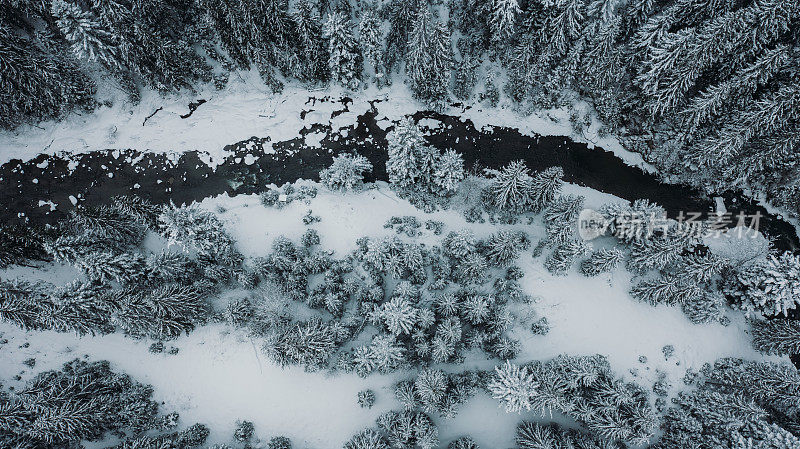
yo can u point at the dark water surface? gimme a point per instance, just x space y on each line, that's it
99 175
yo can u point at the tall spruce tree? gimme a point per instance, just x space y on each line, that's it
429 59
344 61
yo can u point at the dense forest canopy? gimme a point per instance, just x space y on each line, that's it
707 90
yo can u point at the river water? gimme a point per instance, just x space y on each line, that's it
44 189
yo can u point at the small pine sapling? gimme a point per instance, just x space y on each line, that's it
280 442
366 398
244 431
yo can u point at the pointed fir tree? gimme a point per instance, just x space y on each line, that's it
504 247
308 25
429 59
412 163
367 439
371 40
513 386
36 84
398 315
504 15
564 256
602 261
544 187
344 60
511 186
87 37
448 172
401 15
780 336
770 287
564 209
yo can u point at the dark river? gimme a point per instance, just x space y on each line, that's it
101 174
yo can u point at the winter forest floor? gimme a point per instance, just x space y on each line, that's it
219 374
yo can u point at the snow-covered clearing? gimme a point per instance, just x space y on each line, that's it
219 375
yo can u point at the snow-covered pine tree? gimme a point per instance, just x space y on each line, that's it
770 287
676 59
472 269
780 336
504 247
633 222
656 253
367 439
398 315
430 387
346 172
459 244
197 229
466 77
702 266
401 15
533 435
768 116
311 42
386 353
601 261
21 244
412 163
463 443
475 308
544 187
87 37
344 59
713 100
511 186
36 84
448 172
104 267
563 257
371 40
504 16
513 386
667 289
564 209
429 59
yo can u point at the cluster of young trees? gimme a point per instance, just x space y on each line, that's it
416 168
736 403
86 402
143 293
435 392
583 388
428 305
398 429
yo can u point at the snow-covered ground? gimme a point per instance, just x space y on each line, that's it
247 108
219 375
